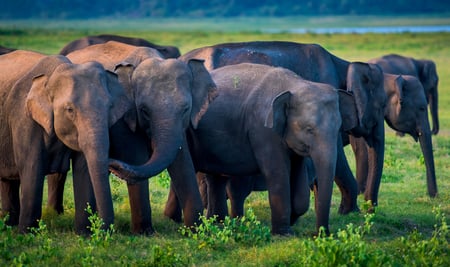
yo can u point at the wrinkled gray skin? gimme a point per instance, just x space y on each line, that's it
423 69
406 112
313 62
50 109
266 120
165 51
237 189
169 95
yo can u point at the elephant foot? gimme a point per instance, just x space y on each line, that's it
149 231
346 209
174 214
294 218
282 231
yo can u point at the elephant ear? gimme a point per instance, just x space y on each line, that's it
121 104
363 80
38 101
38 104
276 117
204 90
347 108
124 71
399 82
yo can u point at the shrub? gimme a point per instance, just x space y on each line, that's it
245 230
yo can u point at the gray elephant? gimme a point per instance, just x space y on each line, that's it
169 95
5 50
166 51
423 69
51 109
406 112
314 63
265 120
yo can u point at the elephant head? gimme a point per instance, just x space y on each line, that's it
169 96
406 112
429 78
309 123
365 81
77 104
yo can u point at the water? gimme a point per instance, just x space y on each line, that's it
383 29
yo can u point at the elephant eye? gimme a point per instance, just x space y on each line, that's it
70 111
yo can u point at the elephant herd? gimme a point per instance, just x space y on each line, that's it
224 120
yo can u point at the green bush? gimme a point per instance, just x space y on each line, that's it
245 230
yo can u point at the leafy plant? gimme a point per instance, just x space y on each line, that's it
245 230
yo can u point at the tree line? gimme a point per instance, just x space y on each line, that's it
65 9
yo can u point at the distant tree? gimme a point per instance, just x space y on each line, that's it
10 9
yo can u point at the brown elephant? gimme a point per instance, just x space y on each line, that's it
168 95
166 51
52 108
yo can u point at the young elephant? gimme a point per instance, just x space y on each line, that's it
406 112
168 95
50 109
422 69
265 120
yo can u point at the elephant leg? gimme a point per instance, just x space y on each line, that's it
173 210
141 215
31 192
9 192
237 190
55 184
203 188
217 197
346 183
362 162
300 192
183 179
173 207
83 194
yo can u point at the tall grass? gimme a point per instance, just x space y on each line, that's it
408 228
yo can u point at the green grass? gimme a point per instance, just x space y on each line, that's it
404 231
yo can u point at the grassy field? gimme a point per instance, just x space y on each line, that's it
408 228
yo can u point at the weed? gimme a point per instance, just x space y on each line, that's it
245 230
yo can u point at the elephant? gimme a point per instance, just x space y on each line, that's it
166 51
5 50
406 112
422 69
168 95
52 109
314 63
266 120
237 189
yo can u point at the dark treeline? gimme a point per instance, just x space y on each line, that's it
63 9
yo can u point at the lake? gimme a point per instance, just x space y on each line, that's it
383 29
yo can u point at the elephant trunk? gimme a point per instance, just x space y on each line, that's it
96 154
427 151
166 142
375 158
325 167
433 101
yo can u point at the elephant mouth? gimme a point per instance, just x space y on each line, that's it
302 150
